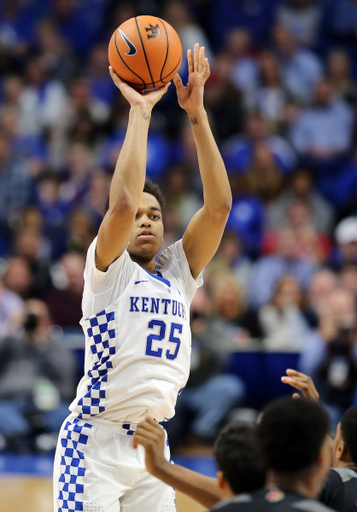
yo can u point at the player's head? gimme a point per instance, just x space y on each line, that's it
294 442
148 230
238 459
345 443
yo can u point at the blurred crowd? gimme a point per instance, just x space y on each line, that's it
281 99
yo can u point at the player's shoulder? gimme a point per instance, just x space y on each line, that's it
241 502
308 505
344 474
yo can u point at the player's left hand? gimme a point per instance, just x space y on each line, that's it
152 437
302 382
190 96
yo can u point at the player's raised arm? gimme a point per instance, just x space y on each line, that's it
205 230
199 487
129 175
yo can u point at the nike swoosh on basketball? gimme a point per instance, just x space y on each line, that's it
132 47
137 282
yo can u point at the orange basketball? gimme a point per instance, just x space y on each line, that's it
145 52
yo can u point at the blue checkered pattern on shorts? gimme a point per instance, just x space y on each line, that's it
71 482
101 338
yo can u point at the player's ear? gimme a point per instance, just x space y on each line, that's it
220 480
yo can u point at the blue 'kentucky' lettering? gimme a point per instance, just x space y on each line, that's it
158 306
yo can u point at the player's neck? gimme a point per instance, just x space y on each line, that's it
150 265
301 485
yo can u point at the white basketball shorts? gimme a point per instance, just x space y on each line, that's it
96 469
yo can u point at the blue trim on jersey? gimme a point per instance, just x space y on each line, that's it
158 276
71 481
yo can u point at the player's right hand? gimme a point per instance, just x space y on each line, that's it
135 97
151 436
302 382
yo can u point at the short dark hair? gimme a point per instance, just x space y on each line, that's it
291 434
349 431
149 188
238 457
154 190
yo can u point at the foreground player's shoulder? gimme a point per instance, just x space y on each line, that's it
241 503
96 279
309 505
173 264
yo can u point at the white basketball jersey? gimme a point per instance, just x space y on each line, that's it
138 338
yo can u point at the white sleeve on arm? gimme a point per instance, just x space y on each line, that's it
173 264
107 286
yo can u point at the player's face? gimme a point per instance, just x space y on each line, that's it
336 446
147 234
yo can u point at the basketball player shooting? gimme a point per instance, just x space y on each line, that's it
136 315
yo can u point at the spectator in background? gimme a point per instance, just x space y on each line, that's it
78 168
97 195
197 410
239 150
270 96
228 14
269 269
179 195
56 54
12 86
14 185
263 177
330 353
29 148
80 231
37 380
300 68
246 219
303 18
34 247
78 23
230 259
17 277
282 321
101 86
223 100
43 100
339 75
231 313
65 299
178 15
322 215
348 278
53 209
321 285
244 65
346 237
340 187
11 309
323 133
311 245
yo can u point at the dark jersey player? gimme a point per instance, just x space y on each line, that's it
340 489
293 438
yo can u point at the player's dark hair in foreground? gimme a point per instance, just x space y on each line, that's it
291 434
238 457
150 188
154 190
349 431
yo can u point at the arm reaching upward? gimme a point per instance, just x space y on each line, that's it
199 487
129 175
204 232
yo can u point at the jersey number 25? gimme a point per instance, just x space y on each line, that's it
150 351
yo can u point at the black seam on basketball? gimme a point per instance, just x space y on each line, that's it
177 65
118 52
167 48
142 45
